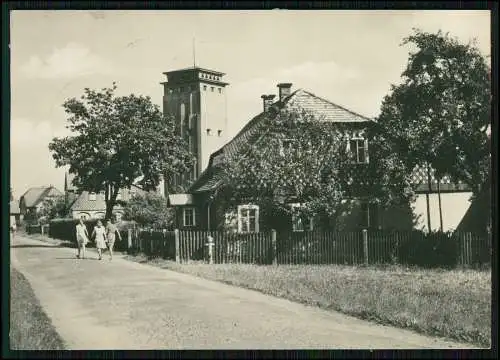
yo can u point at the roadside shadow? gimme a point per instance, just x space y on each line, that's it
48 246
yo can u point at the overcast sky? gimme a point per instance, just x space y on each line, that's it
348 57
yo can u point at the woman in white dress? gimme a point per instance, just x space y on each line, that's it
99 235
82 238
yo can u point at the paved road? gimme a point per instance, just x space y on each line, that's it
124 305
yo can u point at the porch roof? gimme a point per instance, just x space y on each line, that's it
180 199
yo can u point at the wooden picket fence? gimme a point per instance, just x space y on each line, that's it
348 248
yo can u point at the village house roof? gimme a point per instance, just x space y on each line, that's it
325 110
14 207
82 203
35 195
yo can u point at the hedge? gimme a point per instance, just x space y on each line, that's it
65 229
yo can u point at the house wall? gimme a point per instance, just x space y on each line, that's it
94 214
453 205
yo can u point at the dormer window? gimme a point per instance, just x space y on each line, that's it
92 196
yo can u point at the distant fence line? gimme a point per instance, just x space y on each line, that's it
318 247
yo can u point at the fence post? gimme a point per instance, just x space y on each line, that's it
210 245
273 240
129 239
365 245
177 249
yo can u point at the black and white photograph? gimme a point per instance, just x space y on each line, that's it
250 180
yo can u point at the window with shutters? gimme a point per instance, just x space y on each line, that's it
358 150
301 222
248 218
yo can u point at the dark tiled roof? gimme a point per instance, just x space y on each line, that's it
301 99
35 195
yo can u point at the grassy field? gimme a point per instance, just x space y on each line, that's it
455 304
30 328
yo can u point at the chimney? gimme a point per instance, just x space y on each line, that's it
284 90
268 101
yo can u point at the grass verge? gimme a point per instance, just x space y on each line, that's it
30 328
455 304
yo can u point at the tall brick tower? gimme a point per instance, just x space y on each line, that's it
196 98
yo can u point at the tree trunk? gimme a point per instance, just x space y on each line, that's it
110 200
439 204
427 198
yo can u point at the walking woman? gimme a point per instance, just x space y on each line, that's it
99 235
111 231
82 238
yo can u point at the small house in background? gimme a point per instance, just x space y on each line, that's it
90 205
15 213
31 202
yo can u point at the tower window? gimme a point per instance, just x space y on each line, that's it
204 87
212 89
220 90
209 132
219 132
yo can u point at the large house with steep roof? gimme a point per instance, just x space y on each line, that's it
31 202
197 208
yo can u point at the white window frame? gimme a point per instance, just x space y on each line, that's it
84 215
355 152
295 218
184 212
92 196
286 148
240 217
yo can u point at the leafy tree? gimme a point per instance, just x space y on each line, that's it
439 113
297 157
149 209
52 208
118 141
